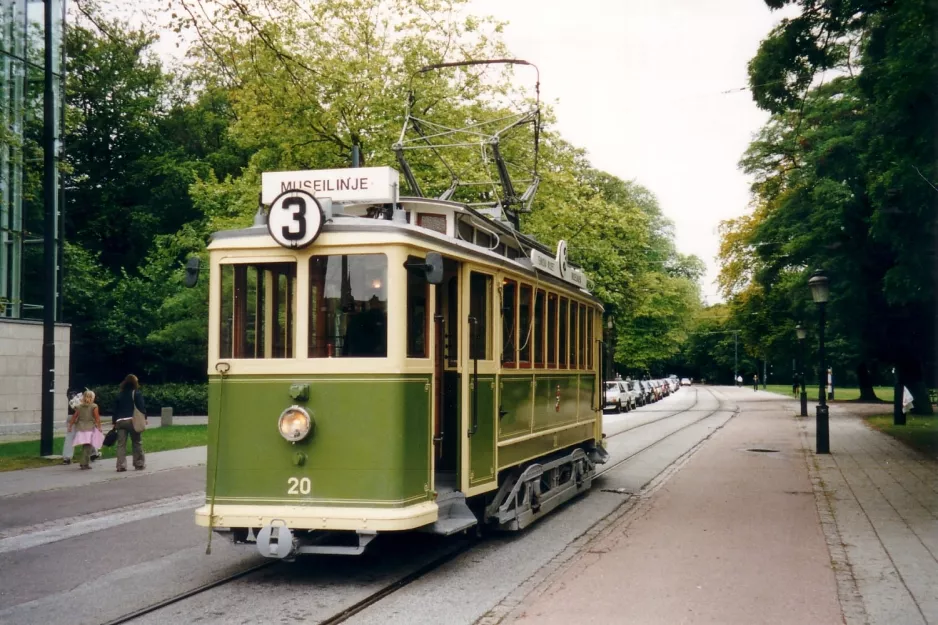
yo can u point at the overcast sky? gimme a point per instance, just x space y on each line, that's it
638 84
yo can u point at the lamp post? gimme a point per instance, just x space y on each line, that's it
609 374
820 291
802 334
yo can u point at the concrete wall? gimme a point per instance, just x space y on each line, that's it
21 373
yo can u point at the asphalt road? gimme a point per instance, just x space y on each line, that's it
91 554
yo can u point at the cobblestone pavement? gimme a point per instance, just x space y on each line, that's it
879 499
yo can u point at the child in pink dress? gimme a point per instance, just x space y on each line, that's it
87 423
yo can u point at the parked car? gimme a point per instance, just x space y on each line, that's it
685 382
628 399
635 390
613 397
648 391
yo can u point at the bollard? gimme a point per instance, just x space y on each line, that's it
166 416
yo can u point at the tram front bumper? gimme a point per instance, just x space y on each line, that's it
321 518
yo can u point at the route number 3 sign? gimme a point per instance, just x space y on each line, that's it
295 219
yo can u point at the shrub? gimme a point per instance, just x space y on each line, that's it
185 399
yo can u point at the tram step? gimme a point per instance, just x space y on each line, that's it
455 515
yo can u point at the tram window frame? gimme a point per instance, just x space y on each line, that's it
525 325
581 357
563 334
552 330
480 291
509 333
416 282
257 299
572 344
539 297
590 323
327 307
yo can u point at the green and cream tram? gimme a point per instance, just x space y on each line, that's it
379 364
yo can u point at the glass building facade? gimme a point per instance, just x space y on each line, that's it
22 224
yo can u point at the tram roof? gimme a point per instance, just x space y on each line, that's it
343 222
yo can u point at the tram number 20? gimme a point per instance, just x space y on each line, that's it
298 486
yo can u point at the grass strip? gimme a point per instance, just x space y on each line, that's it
920 433
884 393
25 454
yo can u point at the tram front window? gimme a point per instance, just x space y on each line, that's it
348 308
257 310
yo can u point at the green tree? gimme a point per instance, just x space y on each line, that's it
843 175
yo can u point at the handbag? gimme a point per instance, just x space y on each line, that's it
139 419
110 438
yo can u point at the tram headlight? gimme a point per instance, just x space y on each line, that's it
295 424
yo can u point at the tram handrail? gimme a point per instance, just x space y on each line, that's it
474 350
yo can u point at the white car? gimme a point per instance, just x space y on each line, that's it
613 397
685 382
628 397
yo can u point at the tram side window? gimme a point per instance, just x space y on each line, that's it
480 308
525 330
257 310
582 335
539 329
509 321
573 341
348 307
418 292
563 332
551 331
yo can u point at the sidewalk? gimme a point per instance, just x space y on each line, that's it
781 536
69 476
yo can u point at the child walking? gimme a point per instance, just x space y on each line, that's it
87 423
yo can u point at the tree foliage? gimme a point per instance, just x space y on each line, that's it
844 177
159 160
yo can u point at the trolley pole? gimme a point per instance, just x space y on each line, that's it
49 250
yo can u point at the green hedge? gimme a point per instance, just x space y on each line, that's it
185 399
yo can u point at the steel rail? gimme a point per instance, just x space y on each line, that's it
607 468
189 593
660 419
339 617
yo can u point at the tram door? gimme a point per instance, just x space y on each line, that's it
447 379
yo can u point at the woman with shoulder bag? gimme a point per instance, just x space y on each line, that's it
130 420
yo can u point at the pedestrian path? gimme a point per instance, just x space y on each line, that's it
883 498
69 476
775 536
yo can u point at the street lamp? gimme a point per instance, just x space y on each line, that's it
609 363
820 292
802 334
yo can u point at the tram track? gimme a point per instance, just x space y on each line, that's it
339 617
435 563
719 408
658 420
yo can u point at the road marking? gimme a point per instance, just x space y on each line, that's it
30 536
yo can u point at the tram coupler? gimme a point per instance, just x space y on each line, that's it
275 541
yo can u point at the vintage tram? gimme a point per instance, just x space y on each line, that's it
381 363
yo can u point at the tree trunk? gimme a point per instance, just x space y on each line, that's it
910 376
865 380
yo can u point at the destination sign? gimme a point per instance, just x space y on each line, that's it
558 266
355 184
